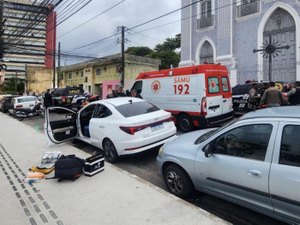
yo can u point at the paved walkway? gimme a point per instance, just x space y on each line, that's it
112 197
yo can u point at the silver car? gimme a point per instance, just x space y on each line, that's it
253 161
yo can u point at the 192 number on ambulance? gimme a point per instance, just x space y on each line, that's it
181 89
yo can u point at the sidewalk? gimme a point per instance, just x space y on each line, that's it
112 197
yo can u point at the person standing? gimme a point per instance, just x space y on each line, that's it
120 92
253 97
272 97
47 99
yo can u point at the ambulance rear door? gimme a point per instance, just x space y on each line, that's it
227 95
214 97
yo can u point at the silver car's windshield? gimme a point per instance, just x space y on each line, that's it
208 134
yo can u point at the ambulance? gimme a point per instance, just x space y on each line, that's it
197 96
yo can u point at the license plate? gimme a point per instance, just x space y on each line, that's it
157 127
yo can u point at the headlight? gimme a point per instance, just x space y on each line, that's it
161 150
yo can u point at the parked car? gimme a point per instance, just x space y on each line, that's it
4 102
253 161
22 102
119 126
240 95
64 96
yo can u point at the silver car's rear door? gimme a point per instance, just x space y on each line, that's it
285 172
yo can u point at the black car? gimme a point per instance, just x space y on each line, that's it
64 96
240 95
4 103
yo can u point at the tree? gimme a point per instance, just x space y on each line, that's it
170 44
13 85
168 58
165 52
140 51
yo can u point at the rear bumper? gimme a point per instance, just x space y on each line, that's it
204 122
131 146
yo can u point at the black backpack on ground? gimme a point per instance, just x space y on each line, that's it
68 167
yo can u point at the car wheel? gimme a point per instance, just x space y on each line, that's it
110 151
185 123
19 118
177 181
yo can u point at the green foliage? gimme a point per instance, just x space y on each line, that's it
168 58
14 86
170 44
139 51
165 52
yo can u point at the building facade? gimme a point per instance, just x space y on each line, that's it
101 76
240 34
28 36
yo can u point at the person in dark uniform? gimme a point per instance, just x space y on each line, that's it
47 99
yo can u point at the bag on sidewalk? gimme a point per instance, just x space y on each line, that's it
68 167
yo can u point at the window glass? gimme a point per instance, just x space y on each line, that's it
136 108
138 86
290 146
87 112
249 142
101 112
213 85
225 85
27 99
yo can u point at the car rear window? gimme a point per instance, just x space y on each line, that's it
67 91
29 99
136 108
241 89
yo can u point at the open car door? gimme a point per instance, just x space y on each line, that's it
60 124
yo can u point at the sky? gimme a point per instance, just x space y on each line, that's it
128 13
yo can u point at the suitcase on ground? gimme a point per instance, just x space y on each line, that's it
68 167
94 164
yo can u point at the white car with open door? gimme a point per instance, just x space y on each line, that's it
119 126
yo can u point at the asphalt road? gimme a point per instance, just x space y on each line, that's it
144 166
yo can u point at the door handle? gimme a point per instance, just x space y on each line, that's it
254 173
101 126
224 100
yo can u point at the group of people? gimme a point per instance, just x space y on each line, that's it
272 96
120 93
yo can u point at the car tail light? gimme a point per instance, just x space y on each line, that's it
132 129
63 98
19 106
203 106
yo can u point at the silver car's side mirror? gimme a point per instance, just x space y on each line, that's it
208 151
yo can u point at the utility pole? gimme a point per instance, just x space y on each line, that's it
16 85
122 56
26 79
1 29
53 46
58 65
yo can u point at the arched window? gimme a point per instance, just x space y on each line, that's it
206 53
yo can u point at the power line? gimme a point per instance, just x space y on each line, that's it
159 17
92 18
135 26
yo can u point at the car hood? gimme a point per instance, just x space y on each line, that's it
186 141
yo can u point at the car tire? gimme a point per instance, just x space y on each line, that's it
185 123
177 181
110 151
